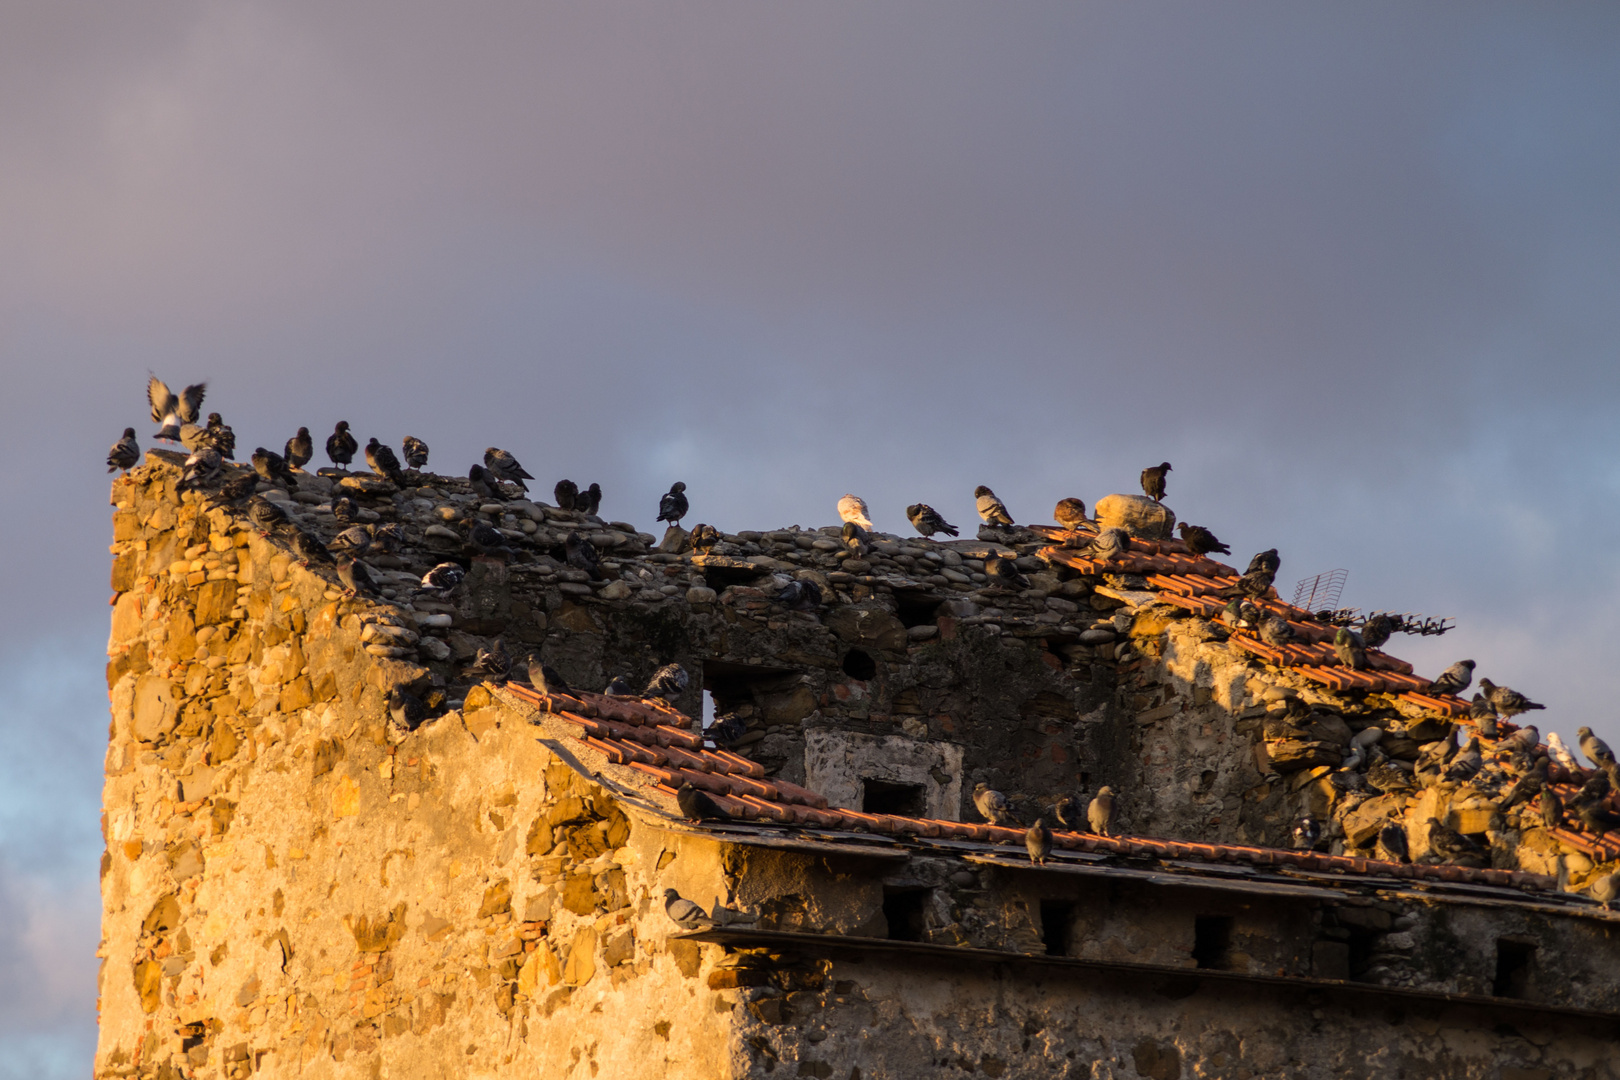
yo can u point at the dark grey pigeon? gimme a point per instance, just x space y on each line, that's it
856 539
343 510
356 578
125 453
219 436
170 409
342 446
1376 631
800 596
546 679
669 681
1392 842
697 806
1107 545
384 462
927 521
406 712
673 506
1153 480
683 913
239 487
1275 631
1200 541
1506 701
1256 584
589 500
299 449
566 493
1004 573
619 686
1455 679
416 452
272 467
352 542
265 514
201 470
1481 712
1349 650
1596 750
486 485
492 660
505 466
581 554
486 539
308 549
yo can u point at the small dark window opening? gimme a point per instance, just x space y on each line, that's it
738 689
1057 923
858 664
721 578
1212 941
1514 960
888 797
916 609
903 909
1362 940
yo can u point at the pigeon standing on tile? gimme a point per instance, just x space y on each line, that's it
352 542
1506 701
1526 738
1595 816
669 681
566 492
546 679
852 508
1455 679
444 577
1038 842
926 520
1070 513
1255 584
991 805
673 506
698 806
1153 480
492 660
1349 650
1392 846
299 449
265 514
856 539
1004 573
356 578
1596 750
581 554
683 913
384 462
125 453
1483 716
201 470
1200 541
1100 813
1275 631
308 549
170 409
1552 808
1107 546
1528 785
416 452
991 509
1267 560
1376 631
341 446
1307 833
590 500
505 466
1559 752
271 467
619 686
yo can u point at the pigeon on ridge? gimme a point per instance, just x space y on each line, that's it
1455 679
852 508
927 521
683 913
589 501
1200 541
704 537
388 537
566 492
271 467
991 509
1596 750
856 539
1377 630
1070 513
239 487
673 506
170 409
352 542
344 511
1107 546
1267 561
355 577
492 660
125 453
1153 480
582 555
308 549
1275 631
619 686
1256 584
1349 651
299 449
1560 753
1506 701
697 806
1100 813
416 452
992 805
485 484
341 446
505 466
1004 573
1038 842
265 514
667 682
384 462
444 577
1392 843
1552 808
1526 738
202 469
545 678
219 436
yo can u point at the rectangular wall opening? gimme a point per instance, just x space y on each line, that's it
904 910
1515 960
1212 941
1057 926
889 797
916 608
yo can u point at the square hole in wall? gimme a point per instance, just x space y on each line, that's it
889 797
1057 925
1212 941
904 911
1515 961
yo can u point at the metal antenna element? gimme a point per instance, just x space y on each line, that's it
1409 622
1320 592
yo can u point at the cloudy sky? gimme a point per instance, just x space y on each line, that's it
1353 271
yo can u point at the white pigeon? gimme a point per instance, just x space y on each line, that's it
171 409
853 508
1560 752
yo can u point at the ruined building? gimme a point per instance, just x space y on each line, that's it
296 884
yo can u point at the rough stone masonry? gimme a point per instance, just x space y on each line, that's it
289 889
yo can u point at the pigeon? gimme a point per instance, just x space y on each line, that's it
1452 846
299 449
444 577
200 470
1100 814
1483 716
1527 785
384 463
505 466
388 538
1232 613
1275 631
729 730
852 508
991 509
566 492
1455 679
485 484
1200 541
800 596
485 539
355 577
265 514
271 467
1596 750
673 506
1266 561
406 712
619 686
544 678
416 452
1526 738
1307 832
1392 844
340 445
683 913
856 539
1349 650
1605 888
492 660
581 554
1506 701
1561 753
1038 842
1004 573
1466 763
343 510
219 436
1070 513
1376 631
352 542
1108 545
309 549
669 681
698 806
1153 480
1255 584
125 453
705 537
590 500
926 520
1552 808
239 487
992 805
171 409
1065 813
1594 816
